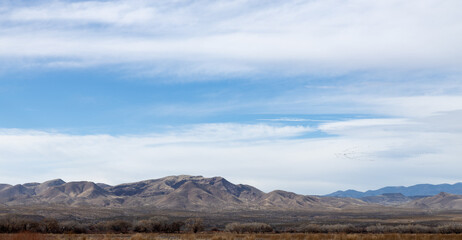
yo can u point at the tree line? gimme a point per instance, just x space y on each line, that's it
165 225
48 225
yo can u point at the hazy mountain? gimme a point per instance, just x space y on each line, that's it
174 192
416 190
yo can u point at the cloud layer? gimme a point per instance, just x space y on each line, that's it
210 37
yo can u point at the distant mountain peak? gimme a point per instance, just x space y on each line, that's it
53 182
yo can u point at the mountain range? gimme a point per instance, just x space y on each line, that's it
411 191
173 192
201 194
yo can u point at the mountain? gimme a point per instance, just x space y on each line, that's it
186 192
174 192
440 201
416 190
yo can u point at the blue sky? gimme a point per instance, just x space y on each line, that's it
306 96
102 101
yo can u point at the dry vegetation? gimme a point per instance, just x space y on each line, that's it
57 223
228 236
196 225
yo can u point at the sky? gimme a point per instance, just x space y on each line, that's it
307 96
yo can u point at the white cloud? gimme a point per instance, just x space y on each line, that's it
417 106
336 126
237 36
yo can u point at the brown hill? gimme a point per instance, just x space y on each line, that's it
440 201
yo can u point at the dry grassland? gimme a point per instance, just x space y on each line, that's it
229 236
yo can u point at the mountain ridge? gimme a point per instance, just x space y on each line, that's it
171 192
185 192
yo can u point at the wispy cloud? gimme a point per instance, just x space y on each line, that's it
236 36
231 132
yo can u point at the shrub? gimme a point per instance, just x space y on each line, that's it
450 228
119 226
248 228
194 225
50 225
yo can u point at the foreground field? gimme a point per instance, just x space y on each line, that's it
228 236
